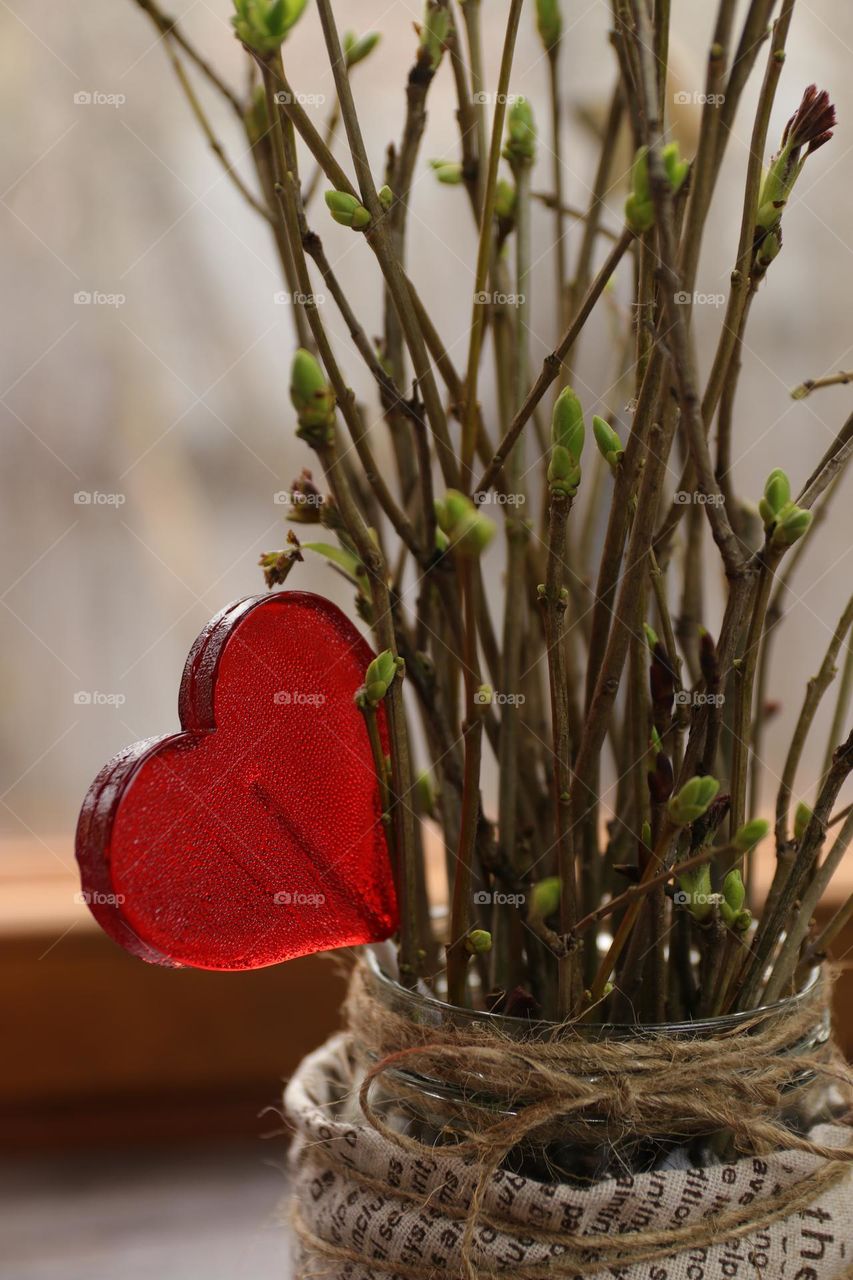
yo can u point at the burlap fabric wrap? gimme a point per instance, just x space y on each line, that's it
369 1203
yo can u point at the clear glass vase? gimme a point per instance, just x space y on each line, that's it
427 1107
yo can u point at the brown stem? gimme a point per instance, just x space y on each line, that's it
552 364
554 599
472 733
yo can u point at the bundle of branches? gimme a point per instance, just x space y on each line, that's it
623 715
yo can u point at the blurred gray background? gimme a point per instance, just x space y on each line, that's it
171 399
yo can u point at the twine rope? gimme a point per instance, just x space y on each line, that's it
649 1086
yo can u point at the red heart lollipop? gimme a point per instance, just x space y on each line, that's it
255 835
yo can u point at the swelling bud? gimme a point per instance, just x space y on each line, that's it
567 441
312 398
380 675
356 48
692 800
468 532
544 900
347 210
549 22
434 30
478 942
262 25
608 443
750 834
520 145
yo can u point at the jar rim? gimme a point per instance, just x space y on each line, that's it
378 957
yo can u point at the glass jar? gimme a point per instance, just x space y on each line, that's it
427 1108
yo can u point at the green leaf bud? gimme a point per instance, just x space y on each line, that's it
802 818
544 899
448 172
608 442
386 196
751 834
639 207
434 30
777 495
549 22
380 675
520 145
468 531
676 168
792 524
347 210
478 942
356 48
734 896
312 398
504 201
567 427
692 800
696 892
567 435
263 25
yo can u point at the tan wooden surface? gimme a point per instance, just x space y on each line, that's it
107 1050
